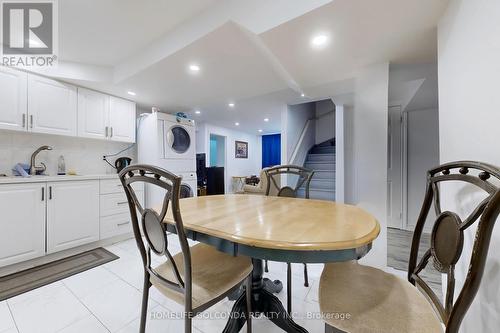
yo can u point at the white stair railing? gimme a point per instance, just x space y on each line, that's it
306 141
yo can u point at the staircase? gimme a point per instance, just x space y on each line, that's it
321 159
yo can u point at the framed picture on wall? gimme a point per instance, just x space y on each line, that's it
240 149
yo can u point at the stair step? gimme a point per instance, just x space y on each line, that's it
318 194
320 165
324 174
322 183
323 150
320 157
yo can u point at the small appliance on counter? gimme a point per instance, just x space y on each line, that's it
122 163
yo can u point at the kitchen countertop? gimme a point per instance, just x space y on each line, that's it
43 179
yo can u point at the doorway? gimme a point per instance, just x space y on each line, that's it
217 150
413 149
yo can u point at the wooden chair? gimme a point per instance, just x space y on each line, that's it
377 301
197 277
274 188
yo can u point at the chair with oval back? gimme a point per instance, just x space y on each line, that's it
198 276
274 186
380 302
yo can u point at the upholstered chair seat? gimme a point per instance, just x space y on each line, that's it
213 274
382 303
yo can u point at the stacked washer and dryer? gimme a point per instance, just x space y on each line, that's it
168 141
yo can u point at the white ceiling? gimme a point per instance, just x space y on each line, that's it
104 32
255 53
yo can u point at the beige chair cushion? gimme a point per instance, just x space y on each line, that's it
213 274
260 188
251 189
376 301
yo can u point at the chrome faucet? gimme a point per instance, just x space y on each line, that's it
33 167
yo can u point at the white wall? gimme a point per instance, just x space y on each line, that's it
413 86
423 155
366 152
233 166
325 120
469 72
201 138
82 155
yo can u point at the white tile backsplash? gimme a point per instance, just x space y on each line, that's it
81 154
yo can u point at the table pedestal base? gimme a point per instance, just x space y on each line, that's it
263 302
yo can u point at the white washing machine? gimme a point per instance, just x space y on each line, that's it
169 142
189 185
178 138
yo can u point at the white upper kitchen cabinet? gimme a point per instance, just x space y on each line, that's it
13 99
93 114
22 226
52 106
72 214
121 120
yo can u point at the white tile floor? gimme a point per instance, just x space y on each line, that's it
108 299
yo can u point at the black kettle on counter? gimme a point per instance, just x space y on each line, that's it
122 163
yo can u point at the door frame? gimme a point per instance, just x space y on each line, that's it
404 167
401 186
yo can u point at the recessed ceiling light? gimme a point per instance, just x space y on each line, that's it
237 124
260 131
302 95
231 105
266 119
194 68
197 112
319 40
131 93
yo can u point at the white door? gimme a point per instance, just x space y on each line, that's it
72 214
22 226
52 106
395 168
93 111
13 99
121 120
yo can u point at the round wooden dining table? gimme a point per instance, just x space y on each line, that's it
281 229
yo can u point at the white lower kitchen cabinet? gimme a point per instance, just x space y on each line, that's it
115 225
72 214
114 210
22 225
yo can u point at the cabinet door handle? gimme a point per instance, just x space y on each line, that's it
111 132
124 223
43 193
122 203
50 192
24 120
31 121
